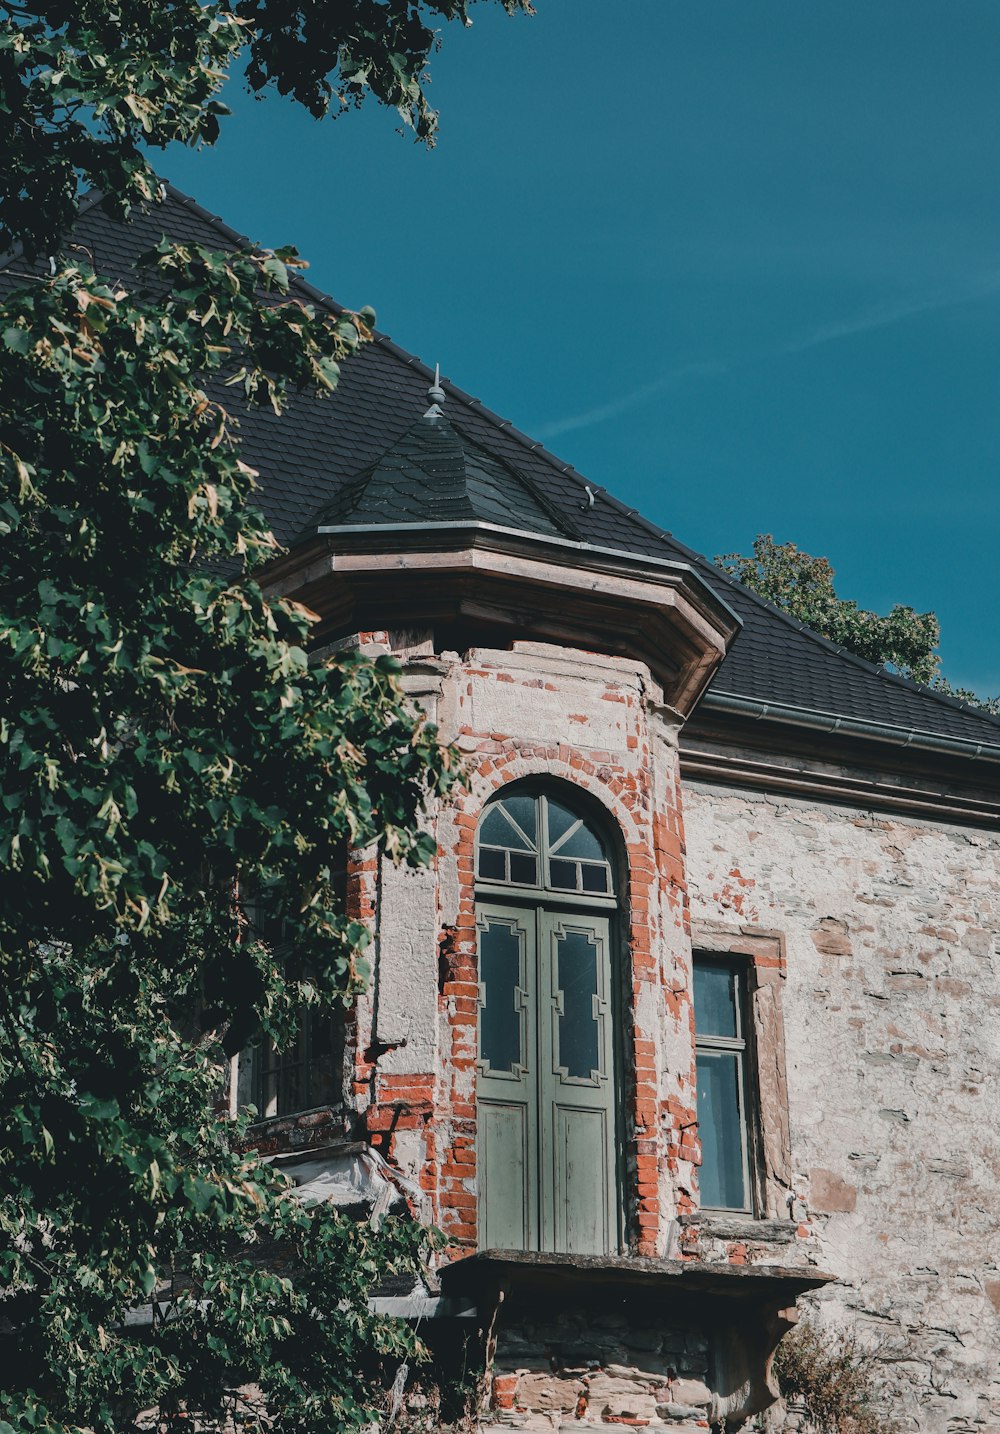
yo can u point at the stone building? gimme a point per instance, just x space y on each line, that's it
694 1021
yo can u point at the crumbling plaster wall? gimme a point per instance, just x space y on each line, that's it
599 724
892 1028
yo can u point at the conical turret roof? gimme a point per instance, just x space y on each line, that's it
436 474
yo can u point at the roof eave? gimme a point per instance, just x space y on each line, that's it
787 714
537 586
585 554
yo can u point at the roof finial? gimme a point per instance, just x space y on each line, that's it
436 395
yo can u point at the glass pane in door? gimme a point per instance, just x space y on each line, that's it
578 1026
500 972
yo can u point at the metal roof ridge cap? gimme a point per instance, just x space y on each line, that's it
831 722
296 279
215 220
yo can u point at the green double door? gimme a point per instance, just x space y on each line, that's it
546 1082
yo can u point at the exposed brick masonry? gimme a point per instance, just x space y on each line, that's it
507 712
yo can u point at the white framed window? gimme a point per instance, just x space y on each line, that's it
537 841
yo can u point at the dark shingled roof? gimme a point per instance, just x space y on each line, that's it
332 456
435 474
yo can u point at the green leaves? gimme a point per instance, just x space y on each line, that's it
90 88
168 717
86 87
167 746
17 340
803 587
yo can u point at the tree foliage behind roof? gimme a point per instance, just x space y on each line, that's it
904 640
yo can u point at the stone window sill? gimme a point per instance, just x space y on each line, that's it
733 1225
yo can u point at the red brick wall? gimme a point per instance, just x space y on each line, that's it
635 780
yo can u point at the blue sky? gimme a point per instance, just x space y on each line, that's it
736 260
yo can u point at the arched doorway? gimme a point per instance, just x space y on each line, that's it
546 1086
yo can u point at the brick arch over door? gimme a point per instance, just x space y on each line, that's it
654 1139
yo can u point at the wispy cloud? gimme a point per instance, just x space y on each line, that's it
877 316
894 311
633 399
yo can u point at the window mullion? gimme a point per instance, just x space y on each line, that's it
543 840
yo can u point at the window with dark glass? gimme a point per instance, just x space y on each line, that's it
722 1065
308 1070
536 841
502 981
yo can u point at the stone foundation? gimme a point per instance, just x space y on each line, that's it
580 1368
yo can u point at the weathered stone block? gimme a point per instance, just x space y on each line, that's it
829 1193
590 1353
619 1397
643 1339
510 1342
690 1391
830 937
652 1369
547 1392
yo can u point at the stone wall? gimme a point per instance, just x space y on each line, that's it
891 1008
597 723
872 947
617 1363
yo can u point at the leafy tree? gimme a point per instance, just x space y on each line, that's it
90 86
904 640
167 747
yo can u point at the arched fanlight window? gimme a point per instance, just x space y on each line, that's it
537 841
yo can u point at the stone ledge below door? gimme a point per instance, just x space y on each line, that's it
614 1339
524 1269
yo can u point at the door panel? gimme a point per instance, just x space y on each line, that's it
577 1086
579 1005
504 1162
507 1079
583 1200
546 1083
